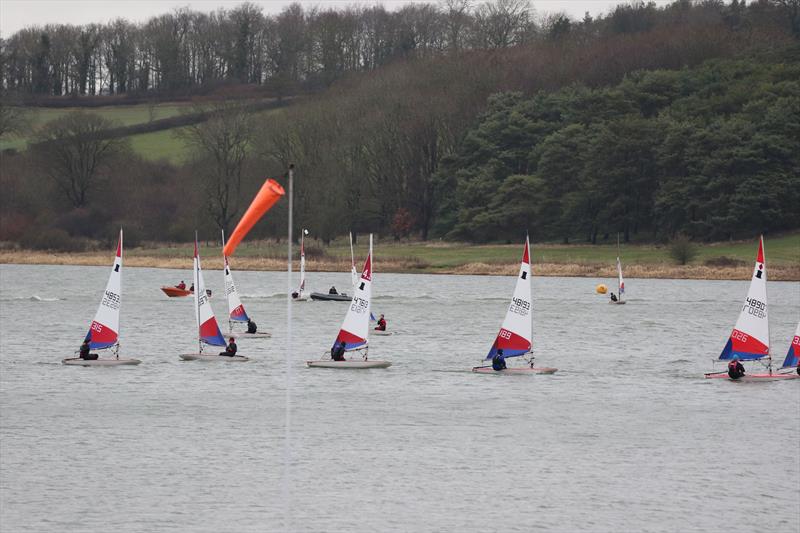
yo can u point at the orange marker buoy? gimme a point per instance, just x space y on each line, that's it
601 289
270 193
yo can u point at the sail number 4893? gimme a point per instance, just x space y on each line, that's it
520 306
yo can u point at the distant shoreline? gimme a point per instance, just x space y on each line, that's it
404 266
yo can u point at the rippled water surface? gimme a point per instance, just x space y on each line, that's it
627 436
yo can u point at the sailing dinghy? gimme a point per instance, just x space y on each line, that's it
749 340
236 312
340 297
207 327
792 361
299 294
516 332
620 281
104 330
355 328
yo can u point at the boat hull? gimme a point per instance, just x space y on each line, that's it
516 370
245 335
618 302
380 333
775 376
213 358
323 297
77 361
175 292
349 365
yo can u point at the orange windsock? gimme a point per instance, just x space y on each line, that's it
270 193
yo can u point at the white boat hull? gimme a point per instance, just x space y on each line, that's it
348 364
211 357
775 376
516 370
245 335
77 361
380 333
618 302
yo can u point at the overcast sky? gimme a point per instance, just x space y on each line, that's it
17 14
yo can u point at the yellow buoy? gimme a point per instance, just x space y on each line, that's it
601 289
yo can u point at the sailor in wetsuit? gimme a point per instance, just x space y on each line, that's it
85 349
230 350
337 352
498 361
251 326
735 369
333 290
381 324
613 297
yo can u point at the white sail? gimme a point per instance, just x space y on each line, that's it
353 271
104 331
621 285
355 328
208 329
750 336
302 286
516 334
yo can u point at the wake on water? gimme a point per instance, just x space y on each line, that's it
34 298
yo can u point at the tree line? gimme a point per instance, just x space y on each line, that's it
189 50
682 120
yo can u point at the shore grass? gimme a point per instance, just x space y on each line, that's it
643 261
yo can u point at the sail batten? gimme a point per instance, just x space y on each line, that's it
104 330
749 339
516 332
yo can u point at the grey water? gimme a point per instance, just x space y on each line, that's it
626 436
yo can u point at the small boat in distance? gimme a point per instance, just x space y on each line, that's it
236 312
175 292
516 333
620 281
103 333
299 295
207 327
792 361
749 340
354 332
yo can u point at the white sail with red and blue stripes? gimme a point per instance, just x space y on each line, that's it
515 336
793 356
621 289
236 312
104 331
208 329
355 327
750 337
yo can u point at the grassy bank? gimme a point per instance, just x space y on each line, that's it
731 260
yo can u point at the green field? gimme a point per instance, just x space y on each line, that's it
160 145
127 115
784 250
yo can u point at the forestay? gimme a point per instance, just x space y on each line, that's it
104 331
208 329
515 336
355 327
750 337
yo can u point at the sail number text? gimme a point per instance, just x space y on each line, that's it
755 307
520 306
111 300
738 336
359 305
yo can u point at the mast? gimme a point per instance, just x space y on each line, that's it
196 284
353 272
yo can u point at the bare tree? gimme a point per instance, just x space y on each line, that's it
76 153
222 142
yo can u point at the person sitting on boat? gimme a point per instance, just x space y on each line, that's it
337 352
84 350
251 326
191 289
333 290
498 361
181 286
295 295
230 350
613 297
381 324
735 369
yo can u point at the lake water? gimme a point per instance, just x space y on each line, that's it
627 436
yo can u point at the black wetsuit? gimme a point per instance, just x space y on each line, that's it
84 353
498 362
230 351
735 370
337 352
251 326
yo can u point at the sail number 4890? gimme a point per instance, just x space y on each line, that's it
755 307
